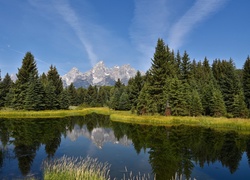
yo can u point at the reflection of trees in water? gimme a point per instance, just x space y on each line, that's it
1 157
27 135
230 154
174 150
25 155
52 145
248 149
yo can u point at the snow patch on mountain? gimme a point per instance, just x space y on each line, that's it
99 75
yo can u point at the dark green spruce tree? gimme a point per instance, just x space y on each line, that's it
72 95
178 96
217 104
34 99
185 67
5 87
51 99
115 95
27 71
239 106
135 85
161 68
64 101
229 84
246 81
55 80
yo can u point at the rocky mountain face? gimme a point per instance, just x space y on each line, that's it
99 75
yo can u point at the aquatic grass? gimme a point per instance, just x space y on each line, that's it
87 168
75 168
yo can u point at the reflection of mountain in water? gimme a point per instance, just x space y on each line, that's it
99 136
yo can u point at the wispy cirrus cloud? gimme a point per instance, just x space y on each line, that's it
96 39
159 19
149 23
70 16
199 12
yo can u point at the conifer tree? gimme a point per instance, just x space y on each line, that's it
144 105
27 70
51 99
64 100
72 94
178 95
115 94
185 67
195 105
81 95
54 76
56 81
229 84
246 81
34 95
161 67
134 87
124 103
44 79
5 87
115 98
90 95
118 83
239 106
217 106
206 83
104 95
178 64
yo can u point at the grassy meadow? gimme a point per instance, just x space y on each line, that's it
127 117
8 113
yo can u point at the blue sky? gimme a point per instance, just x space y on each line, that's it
79 33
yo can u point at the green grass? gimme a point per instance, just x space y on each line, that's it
76 168
205 121
67 168
51 113
127 117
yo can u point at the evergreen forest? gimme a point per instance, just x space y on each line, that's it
174 85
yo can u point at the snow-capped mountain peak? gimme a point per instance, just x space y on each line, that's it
99 75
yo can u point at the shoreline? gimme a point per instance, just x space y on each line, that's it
237 124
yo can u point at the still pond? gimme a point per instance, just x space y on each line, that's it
166 152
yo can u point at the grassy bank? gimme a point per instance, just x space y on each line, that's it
217 123
128 117
51 113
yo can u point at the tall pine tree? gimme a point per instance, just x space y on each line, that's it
161 68
246 81
56 81
5 87
27 71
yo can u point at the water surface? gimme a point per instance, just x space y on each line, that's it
166 152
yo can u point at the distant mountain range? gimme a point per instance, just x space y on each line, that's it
99 75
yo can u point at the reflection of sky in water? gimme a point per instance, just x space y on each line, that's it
217 171
102 144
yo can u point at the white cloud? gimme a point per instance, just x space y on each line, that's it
149 24
70 16
201 10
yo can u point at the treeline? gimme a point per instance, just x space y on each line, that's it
190 88
173 82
